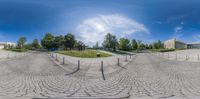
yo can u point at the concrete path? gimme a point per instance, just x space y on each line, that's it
145 76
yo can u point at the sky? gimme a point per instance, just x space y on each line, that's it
91 20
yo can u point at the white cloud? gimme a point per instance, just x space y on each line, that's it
94 29
178 32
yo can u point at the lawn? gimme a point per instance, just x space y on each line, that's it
17 50
84 54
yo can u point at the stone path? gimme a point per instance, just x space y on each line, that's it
144 76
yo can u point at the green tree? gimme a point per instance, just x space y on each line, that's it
124 44
139 43
134 44
110 42
21 42
157 45
35 44
58 41
69 41
96 46
80 45
47 41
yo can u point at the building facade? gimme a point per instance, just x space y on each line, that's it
3 44
174 44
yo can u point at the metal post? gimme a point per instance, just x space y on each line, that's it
176 56
78 64
102 70
8 55
168 55
56 57
185 57
118 61
126 58
63 60
198 56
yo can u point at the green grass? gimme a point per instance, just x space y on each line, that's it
162 50
84 54
17 50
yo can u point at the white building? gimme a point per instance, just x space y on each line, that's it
3 44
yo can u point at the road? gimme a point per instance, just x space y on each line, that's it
145 77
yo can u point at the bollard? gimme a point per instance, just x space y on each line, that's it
168 55
102 70
198 56
8 55
185 57
176 56
130 56
118 61
78 64
63 60
56 57
126 58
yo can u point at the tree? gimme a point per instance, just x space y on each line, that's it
35 44
21 42
58 42
139 43
157 45
69 41
150 46
96 46
47 41
134 44
80 45
110 42
124 44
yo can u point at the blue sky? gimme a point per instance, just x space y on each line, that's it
90 20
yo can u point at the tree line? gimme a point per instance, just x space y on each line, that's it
112 43
69 42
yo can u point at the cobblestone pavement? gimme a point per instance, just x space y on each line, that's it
144 76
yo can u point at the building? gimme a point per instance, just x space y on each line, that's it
174 44
3 44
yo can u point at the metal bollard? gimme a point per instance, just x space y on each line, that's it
118 61
102 70
185 57
198 56
176 56
78 64
130 56
56 57
168 55
8 55
126 58
63 60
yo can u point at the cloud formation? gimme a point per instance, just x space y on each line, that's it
178 32
94 29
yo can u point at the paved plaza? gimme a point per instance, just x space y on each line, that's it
141 76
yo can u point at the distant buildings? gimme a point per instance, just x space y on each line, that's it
174 44
4 44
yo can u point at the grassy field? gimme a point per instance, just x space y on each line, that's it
84 54
17 50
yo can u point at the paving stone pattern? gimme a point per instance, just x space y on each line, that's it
143 76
